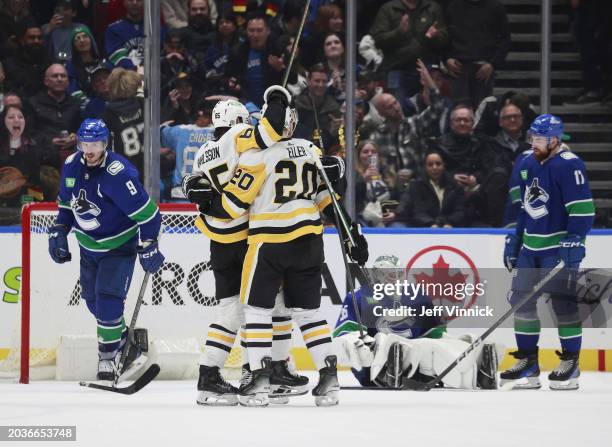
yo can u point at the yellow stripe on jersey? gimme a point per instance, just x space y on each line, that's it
286 327
224 238
285 237
250 335
248 139
325 201
248 269
242 189
283 216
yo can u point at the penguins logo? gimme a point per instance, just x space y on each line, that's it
535 200
81 207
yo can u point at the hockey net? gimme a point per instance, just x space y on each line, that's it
176 310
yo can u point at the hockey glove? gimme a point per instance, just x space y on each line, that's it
150 257
58 243
358 252
511 251
197 189
571 250
276 94
334 167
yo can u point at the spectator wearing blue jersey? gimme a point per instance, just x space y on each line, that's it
184 141
218 52
105 204
124 39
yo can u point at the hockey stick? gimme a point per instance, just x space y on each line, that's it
295 44
412 384
339 217
151 371
146 378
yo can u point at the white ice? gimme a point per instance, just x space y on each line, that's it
165 414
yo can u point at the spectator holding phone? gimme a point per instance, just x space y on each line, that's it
58 32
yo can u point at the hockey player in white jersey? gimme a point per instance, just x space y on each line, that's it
283 194
214 166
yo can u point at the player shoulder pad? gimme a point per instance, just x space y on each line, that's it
115 167
71 158
566 155
252 157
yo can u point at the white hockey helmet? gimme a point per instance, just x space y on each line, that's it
387 269
228 113
291 114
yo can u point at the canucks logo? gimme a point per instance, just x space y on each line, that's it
85 211
535 200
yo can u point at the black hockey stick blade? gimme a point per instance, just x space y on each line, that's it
416 385
146 378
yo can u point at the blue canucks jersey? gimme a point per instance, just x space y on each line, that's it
409 327
106 205
185 141
556 201
124 43
513 202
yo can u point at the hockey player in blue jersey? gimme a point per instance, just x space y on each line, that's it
557 213
416 347
102 199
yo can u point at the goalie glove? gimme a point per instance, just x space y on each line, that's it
358 252
358 350
334 167
197 189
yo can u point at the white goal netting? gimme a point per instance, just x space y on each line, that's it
176 309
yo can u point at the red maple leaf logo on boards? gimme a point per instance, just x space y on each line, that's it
441 280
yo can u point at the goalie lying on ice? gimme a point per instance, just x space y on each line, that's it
393 349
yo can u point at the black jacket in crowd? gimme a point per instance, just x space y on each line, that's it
420 207
49 117
478 31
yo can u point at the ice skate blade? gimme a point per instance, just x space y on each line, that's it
328 400
254 400
282 400
565 385
286 391
208 399
526 383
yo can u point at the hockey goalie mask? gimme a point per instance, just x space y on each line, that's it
387 270
228 113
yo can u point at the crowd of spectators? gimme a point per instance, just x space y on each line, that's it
434 147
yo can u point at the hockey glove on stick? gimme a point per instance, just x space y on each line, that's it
358 252
150 257
571 250
334 167
197 189
58 243
511 251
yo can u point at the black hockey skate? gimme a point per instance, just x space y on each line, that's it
487 369
326 391
284 383
393 367
214 390
565 376
525 374
254 393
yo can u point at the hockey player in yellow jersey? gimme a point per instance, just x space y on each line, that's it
281 190
214 166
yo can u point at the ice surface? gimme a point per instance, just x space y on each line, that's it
165 414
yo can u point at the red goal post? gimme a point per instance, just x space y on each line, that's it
50 292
